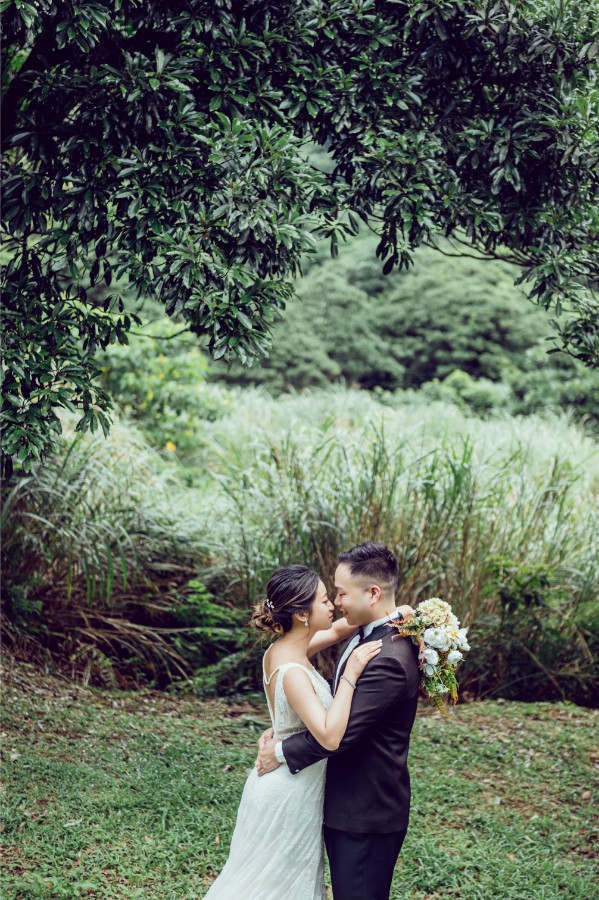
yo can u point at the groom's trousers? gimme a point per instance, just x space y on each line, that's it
362 864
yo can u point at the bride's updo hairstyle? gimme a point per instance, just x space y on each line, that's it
290 590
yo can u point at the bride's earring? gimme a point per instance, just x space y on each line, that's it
306 623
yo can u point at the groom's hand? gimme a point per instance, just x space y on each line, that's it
264 738
267 761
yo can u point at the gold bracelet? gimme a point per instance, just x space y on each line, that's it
349 681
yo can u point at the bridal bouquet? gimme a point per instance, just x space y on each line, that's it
442 644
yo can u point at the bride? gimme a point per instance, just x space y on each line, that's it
277 847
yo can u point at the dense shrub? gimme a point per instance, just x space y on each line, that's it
450 514
95 556
477 394
564 383
159 380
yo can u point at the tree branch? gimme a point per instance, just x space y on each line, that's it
516 259
167 337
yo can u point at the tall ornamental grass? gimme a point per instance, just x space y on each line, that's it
500 519
126 562
86 541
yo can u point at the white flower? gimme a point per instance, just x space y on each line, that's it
462 642
454 657
431 656
430 636
437 637
429 670
453 632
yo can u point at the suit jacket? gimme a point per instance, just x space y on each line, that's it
368 784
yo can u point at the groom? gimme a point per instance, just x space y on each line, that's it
367 794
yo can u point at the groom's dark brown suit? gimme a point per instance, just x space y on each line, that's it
367 794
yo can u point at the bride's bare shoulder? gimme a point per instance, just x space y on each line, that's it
275 657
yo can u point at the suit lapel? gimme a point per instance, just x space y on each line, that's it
378 632
339 670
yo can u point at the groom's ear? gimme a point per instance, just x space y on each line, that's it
375 593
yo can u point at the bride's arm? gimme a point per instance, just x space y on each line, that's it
339 631
327 726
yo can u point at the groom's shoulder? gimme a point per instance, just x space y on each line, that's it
402 649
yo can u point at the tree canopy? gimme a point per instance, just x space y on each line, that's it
164 146
350 323
454 328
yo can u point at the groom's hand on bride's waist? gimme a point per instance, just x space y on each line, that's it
265 737
267 761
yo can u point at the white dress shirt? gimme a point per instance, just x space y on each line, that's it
368 629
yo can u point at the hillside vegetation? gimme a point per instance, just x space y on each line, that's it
455 326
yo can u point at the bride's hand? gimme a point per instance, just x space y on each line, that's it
360 658
406 610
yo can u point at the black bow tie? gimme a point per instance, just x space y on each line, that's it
362 635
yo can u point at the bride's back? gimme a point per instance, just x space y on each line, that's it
277 655
285 720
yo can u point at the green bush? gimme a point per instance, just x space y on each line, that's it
159 380
95 546
564 383
206 632
450 512
400 330
524 651
480 395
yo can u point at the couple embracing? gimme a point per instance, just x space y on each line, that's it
334 758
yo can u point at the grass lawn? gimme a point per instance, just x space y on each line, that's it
110 794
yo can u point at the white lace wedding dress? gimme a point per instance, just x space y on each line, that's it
277 848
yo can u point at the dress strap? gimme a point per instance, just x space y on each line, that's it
273 673
282 666
290 665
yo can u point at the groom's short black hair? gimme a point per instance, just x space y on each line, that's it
373 561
